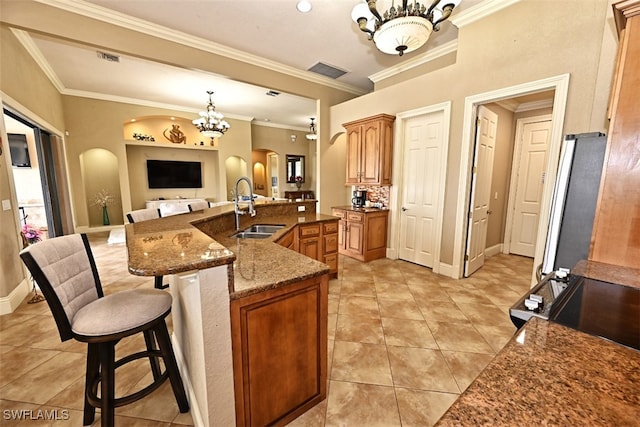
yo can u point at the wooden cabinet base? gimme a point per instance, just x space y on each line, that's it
362 235
280 352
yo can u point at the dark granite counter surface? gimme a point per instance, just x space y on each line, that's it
201 239
551 375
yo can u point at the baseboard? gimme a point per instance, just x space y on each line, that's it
493 250
9 303
447 270
194 409
392 253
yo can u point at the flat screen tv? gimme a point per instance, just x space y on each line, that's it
19 150
174 174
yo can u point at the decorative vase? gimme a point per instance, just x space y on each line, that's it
105 216
299 185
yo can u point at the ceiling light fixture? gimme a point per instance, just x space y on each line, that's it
312 135
402 29
211 123
303 6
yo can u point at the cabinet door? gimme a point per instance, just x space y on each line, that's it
311 248
370 155
353 154
355 238
342 233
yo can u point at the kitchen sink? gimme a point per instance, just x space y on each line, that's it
265 228
251 235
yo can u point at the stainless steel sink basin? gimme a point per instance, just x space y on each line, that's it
264 228
251 235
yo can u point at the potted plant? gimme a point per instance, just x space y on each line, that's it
298 181
102 199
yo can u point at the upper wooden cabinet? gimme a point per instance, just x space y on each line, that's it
616 230
370 150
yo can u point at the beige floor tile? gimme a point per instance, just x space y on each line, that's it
465 367
399 309
362 363
49 377
359 329
332 322
161 405
333 303
419 408
421 369
20 360
496 336
351 404
408 333
441 312
314 417
467 296
359 306
429 294
358 287
459 337
393 290
484 314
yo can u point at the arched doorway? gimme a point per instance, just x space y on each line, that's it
101 181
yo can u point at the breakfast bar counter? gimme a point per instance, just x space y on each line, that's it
249 315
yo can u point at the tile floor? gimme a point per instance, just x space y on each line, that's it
403 344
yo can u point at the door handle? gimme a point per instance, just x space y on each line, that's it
489 212
404 209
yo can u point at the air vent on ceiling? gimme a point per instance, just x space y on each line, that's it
327 70
273 93
108 57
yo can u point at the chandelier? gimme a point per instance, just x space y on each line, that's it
404 28
211 123
312 135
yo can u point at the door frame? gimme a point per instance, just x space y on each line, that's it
513 180
560 85
397 178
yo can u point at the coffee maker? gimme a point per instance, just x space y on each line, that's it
359 198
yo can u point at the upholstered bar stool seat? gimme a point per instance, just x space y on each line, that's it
66 272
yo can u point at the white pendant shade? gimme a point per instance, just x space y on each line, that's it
404 34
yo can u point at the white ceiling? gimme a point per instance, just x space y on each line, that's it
270 29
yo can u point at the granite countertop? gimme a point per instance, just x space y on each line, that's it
201 239
608 273
549 374
363 209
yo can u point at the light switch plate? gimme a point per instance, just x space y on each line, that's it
6 205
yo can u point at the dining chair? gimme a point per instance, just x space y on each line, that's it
198 206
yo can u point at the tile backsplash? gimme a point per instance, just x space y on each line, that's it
377 194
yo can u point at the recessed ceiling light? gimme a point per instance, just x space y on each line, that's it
303 6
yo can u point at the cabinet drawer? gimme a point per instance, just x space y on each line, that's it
339 213
329 227
355 217
332 261
330 243
309 230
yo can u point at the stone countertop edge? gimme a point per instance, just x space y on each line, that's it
177 243
549 374
365 209
627 276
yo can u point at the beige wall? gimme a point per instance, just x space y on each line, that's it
278 140
26 89
527 41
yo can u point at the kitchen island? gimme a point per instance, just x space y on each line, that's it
249 316
551 374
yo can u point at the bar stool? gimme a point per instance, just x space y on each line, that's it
140 215
198 206
66 272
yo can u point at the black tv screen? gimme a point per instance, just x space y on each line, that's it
19 150
174 174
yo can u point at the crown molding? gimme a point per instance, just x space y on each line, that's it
27 42
431 55
109 16
535 105
480 11
509 104
143 102
278 126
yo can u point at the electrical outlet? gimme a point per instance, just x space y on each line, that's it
6 205
301 208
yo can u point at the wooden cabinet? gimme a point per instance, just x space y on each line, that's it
280 343
616 231
317 240
370 150
362 234
300 194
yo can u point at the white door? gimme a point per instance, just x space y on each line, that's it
421 206
480 189
533 139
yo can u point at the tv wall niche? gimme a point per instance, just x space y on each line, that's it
137 157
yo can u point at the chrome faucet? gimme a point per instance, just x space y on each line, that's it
238 212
